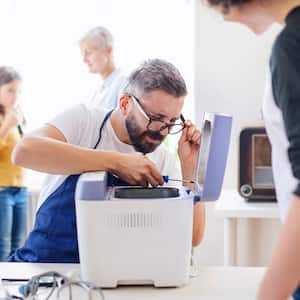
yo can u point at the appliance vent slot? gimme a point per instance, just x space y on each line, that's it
134 220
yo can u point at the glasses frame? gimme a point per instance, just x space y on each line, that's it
138 104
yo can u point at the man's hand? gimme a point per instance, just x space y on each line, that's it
137 169
188 148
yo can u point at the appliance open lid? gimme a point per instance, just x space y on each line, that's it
212 156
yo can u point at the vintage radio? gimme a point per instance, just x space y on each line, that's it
255 168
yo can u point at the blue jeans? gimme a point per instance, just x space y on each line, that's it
13 217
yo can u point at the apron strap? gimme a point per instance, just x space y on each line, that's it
101 128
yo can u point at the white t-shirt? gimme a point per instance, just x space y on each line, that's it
107 96
285 182
81 125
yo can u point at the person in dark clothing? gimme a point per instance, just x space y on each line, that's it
281 109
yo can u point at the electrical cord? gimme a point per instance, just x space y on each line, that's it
52 280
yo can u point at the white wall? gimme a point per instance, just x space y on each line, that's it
40 39
230 67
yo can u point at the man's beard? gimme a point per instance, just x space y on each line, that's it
138 140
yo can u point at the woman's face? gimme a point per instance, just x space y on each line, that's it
9 93
252 14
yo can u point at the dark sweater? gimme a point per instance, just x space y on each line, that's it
285 70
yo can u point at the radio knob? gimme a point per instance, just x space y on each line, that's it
246 190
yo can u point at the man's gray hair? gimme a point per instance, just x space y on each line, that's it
155 74
99 36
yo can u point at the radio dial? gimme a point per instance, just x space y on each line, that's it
246 190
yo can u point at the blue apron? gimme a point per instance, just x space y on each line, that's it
54 237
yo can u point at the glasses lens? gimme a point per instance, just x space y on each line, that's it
176 128
156 125
159 126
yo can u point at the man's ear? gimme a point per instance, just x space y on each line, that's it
124 104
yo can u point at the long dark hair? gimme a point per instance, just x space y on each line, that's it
7 75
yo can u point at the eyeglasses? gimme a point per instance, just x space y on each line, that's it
159 125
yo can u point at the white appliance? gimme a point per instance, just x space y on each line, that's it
134 235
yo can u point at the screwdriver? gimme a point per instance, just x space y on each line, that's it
166 179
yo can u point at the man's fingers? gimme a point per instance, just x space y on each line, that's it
196 137
140 170
155 181
183 136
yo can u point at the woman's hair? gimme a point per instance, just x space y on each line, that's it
226 4
7 75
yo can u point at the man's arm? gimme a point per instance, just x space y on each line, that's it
188 148
199 224
46 150
283 274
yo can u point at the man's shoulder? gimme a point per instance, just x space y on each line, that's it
82 115
92 111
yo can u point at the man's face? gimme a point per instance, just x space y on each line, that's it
159 106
